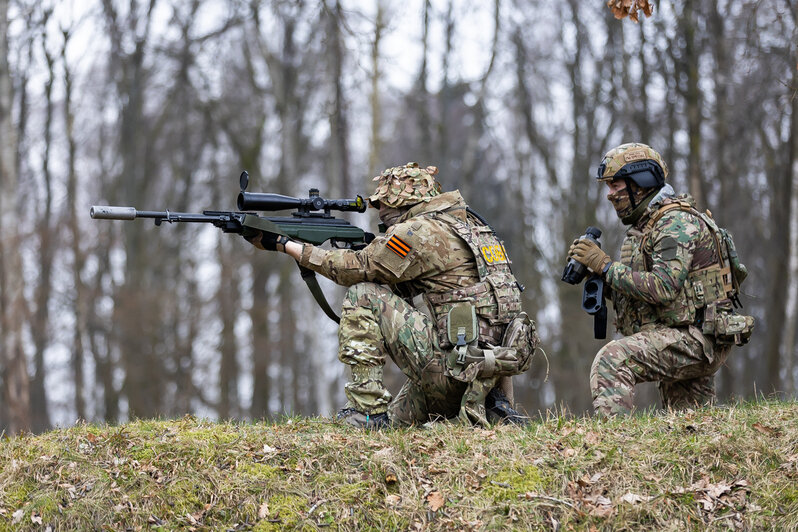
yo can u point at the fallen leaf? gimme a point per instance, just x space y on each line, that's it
716 490
435 500
592 438
393 500
35 518
769 431
16 517
263 511
634 498
569 452
390 478
92 438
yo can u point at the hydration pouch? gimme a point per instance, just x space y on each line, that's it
462 329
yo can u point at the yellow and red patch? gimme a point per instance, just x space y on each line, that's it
398 246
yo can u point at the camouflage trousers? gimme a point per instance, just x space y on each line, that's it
375 325
680 359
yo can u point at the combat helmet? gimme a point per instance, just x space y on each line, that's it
636 162
402 186
644 172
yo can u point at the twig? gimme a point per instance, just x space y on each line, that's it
552 499
316 505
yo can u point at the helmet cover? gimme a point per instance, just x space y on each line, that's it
636 162
402 186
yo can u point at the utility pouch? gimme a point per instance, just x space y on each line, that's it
512 357
462 329
733 328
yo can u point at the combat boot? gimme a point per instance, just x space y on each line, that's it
499 410
358 419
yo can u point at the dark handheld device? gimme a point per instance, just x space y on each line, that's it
575 271
593 303
593 291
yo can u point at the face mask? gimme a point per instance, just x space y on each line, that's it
626 210
621 203
389 215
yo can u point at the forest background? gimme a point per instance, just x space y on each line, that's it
160 104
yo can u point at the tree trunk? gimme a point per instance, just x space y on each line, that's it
693 103
16 384
48 232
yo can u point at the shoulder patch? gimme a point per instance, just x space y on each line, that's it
668 248
398 246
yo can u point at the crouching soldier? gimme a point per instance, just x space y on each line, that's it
436 295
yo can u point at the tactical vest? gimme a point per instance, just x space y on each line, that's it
705 300
496 296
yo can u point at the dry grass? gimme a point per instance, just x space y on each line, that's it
733 467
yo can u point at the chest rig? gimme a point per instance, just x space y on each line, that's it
709 293
496 297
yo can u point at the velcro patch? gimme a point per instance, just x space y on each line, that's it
668 248
398 246
634 155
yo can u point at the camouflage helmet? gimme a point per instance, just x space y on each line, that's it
636 162
406 185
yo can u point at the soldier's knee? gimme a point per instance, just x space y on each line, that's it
360 290
363 295
607 363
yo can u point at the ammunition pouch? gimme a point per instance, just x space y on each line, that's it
512 357
725 325
461 330
483 368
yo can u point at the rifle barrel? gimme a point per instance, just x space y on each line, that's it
110 212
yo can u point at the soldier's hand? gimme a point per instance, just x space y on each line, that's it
267 241
590 254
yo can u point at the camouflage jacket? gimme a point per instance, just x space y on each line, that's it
438 251
651 282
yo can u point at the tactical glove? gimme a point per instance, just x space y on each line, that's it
268 241
590 254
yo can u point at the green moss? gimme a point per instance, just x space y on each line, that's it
16 495
211 435
510 483
285 511
257 470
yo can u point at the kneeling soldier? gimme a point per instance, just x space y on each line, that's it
673 289
436 295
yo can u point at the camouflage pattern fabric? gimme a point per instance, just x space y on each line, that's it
431 251
405 185
655 309
373 318
422 256
650 282
618 157
681 360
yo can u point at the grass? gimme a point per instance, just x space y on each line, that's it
727 468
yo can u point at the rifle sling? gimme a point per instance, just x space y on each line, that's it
309 276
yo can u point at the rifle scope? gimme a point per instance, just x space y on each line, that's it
255 201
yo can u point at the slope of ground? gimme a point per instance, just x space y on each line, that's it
732 467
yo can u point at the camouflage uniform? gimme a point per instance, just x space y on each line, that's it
402 286
661 340
654 289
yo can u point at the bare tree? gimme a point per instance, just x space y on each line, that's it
16 383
